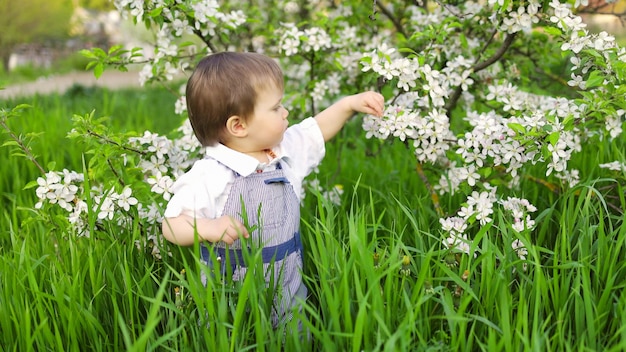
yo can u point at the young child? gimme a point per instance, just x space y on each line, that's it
253 161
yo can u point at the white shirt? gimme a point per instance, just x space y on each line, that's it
203 190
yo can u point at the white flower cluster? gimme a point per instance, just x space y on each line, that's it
520 249
389 64
519 208
133 7
65 190
161 162
327 87
521 19
107 203
614 123
492 141
59 188
207 18
480 205
457 239
293 40
614 166
166 159
581 38
430 134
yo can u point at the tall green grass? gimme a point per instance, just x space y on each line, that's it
375 266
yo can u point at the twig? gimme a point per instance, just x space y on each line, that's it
206 41
115 172
433 194
497 55
393 19
311 79
452 10
20 143
97 135
506 44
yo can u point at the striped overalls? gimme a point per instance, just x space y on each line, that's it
271 204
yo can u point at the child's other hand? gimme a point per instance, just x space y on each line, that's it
227 229
368 102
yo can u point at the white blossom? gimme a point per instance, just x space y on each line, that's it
125 200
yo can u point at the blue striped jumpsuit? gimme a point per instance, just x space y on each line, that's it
269 195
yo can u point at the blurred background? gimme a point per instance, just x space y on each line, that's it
41 38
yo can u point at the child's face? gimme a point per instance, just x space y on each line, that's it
269 121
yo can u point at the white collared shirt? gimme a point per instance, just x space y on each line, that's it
203 190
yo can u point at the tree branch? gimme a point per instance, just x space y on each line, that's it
497 55
391 17
506 44
602 8
206 41
109 141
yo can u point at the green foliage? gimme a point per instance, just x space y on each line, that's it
116 55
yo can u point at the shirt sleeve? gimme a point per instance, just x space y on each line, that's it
198 192
304 144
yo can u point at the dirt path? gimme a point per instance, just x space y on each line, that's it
60 83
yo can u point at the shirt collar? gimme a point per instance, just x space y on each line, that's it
242 163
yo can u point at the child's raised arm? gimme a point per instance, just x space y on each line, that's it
332 119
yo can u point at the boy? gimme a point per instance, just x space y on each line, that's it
253 161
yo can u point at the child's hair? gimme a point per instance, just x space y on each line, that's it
226 84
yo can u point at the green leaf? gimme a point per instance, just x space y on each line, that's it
567 122
98 69
486 171
156 12
22 106
10 143
91 64
88 54
552 31
553 137
99 53
463 40
115 48
595 79
30 185
516 127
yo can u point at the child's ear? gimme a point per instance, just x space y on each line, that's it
236 126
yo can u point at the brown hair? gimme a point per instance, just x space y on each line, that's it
226 84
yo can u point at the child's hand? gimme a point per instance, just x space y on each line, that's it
226 229
368 102
332 119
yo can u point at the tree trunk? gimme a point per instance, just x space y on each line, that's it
5 55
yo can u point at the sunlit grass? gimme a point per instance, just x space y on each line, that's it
375 266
